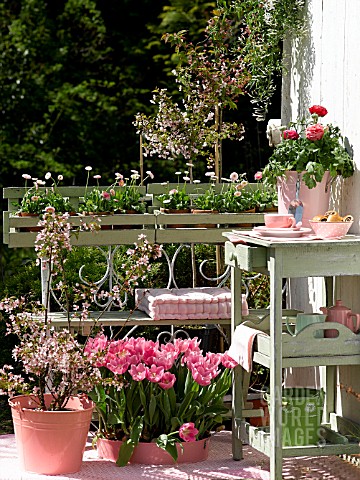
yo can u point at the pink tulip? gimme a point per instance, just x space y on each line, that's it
188 432
154 374
228 362
138 372
167 380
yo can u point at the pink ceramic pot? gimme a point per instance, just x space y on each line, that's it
51 443
151 454
315 200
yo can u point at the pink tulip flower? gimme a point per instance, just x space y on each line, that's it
188 432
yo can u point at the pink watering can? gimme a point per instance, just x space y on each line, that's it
341 314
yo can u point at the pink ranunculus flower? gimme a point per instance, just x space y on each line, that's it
290 134
188 432
318 110
167 380
106 195
258 176
315 132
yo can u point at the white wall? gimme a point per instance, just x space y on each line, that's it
324 69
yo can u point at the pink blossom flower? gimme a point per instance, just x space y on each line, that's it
50 210
315 132
26 176
97 177
150 174
188 432
106 195
47 175
167 380
60 177
173 191
234 176
258 176
237 193
290 134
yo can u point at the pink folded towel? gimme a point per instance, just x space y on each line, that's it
209 303
241 348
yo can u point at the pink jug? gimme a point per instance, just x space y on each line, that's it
341 314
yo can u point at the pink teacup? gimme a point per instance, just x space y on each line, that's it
279 220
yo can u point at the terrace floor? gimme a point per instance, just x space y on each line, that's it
219 466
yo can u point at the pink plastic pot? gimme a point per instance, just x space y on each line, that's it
315 200
51 443
151 454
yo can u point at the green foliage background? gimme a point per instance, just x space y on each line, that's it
73 75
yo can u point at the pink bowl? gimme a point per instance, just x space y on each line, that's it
330 229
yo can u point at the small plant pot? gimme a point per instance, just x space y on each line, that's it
175 212
151 454
204 225
29 229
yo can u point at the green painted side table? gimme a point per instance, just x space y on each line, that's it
293 259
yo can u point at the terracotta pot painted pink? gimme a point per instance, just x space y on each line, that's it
151 454
51 443
315 200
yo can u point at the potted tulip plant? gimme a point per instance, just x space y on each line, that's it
173 394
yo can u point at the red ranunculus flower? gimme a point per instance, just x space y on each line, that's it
290 135
318 110
315 132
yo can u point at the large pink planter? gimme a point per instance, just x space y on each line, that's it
151 454
315 200
51 443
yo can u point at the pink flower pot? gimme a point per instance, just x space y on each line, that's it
315 200
151 454
51 443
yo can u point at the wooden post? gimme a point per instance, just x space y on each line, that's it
141 160
218 169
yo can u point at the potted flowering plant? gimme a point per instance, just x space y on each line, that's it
209 201
173 394
176 199
48 398
310 148
98 200
265 197
128 196
37 198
